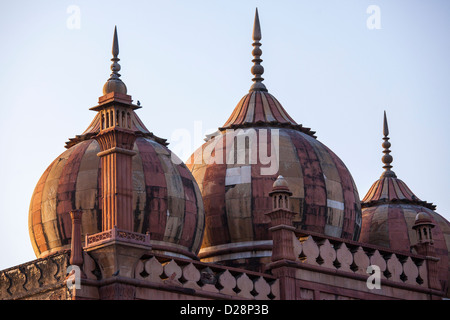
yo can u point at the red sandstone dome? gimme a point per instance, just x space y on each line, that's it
389 212
236 195
236 169
166 201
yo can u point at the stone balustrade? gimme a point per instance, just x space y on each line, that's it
231 283
38 279
116 234
355 258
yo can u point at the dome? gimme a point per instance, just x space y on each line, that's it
280 185
236 195
423 219
166 200
390 210
114 85
389 223
236 169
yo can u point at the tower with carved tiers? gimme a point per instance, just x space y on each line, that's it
116 141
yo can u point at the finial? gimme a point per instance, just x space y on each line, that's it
257 69
114 83
387 158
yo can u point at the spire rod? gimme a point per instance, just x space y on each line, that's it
114 83
387 158
115 66
257 69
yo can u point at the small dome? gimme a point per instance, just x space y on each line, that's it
114 85
280 184
390 211
423 218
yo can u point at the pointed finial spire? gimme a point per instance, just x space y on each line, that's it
257 69
114 83
387 158
115 46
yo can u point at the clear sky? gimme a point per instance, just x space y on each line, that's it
333 65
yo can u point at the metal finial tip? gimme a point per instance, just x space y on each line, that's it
387 158
385 126
115 46
256 27
257 69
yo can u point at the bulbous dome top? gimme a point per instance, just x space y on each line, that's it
166 200
390 211
235 181
236 170
280 184
114 85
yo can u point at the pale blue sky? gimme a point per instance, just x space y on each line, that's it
189 61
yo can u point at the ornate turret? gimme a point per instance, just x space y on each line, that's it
116 140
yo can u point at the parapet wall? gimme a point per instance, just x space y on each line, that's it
41 279
355 258
207 280
332 268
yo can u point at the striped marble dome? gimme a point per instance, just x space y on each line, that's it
388 214
166 199
389 210
235 180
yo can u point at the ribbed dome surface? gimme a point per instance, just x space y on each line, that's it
166 198
262 108
389 211
389 189
236 194
389 225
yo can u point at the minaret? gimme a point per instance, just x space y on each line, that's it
387 158
116 139
257 69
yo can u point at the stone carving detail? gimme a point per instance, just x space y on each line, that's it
344 258
394 268
352 257
228 283
202 277
30 279
117 235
